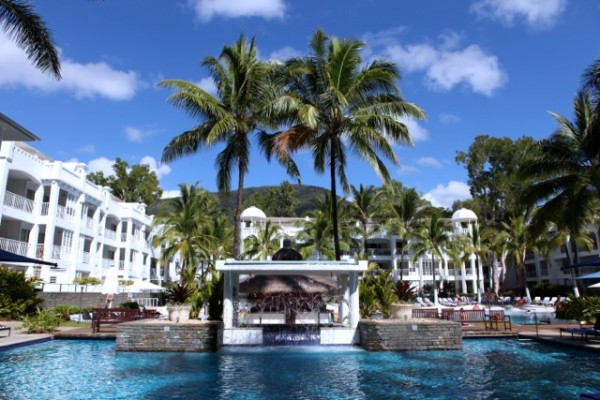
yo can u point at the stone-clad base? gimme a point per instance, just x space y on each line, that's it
158 335
415 334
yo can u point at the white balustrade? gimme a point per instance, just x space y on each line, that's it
19 202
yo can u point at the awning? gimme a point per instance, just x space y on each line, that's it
594 275
7 256
588 263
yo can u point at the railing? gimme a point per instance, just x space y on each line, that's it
45 208
123 236
107 262
18 202
111 235
121 265
85 257
89 222
14 246
65 213
380 252
60 252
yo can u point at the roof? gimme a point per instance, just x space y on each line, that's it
253 213
11 131
464 215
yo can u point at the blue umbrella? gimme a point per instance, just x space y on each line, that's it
594 275
7 256
588 263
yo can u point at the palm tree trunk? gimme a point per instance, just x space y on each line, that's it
334 214
237 233
435 289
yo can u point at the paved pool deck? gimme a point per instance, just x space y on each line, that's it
544 333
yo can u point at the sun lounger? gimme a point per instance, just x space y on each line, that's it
420 302
428 302
5 328
583 332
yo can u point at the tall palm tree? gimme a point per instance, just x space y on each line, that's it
180 222
229 117
591 84
401 206
334 105
431 237
565 176
365 207
264 243
19 21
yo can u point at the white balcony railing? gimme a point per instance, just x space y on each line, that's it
111 235
45 208
107 262
85 257
18 202
123 236
65 213
14 246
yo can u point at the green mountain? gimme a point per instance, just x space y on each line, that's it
304 195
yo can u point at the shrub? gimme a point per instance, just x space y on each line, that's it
579 309
41 322
88 280
405 292
64 311
17 294
131 305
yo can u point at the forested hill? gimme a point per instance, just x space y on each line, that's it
302 193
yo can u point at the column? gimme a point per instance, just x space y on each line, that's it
354 304
228 299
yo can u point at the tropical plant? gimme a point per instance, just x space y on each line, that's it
264 243
229 117
17 294
430 237
19 21
178 293
400 207
579 308
405 292
565 175
334 105
591 84
42 321
64 311
87 280
180 222
365 208
377 290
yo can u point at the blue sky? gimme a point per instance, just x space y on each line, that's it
492 67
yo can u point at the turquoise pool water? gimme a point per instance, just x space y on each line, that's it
484 369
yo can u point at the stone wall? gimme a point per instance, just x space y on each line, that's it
159 335
415 334
52 299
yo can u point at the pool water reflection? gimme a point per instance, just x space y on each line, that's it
484 369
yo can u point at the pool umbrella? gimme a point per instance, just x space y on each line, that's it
110 287
594 275
7 256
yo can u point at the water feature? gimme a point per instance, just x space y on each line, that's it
484 369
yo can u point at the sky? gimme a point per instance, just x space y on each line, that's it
494 67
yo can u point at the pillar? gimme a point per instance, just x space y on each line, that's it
227 299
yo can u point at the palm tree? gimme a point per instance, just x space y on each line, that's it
401 206
263 244
365 208
591 84
180 222
28 29
431 237
229 118
334 105
565 176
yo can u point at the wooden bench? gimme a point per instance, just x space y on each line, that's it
117 315
464 316
5 328
495 317
425 313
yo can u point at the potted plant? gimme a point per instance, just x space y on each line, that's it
178 297
402 308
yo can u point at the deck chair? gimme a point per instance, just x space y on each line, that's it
546 301
428 302
5 328
420 302
584 332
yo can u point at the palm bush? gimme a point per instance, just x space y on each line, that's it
42 321
405 292
579 308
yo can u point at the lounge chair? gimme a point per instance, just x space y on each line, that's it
537 300
5 328
584 332
428 302
546 301
420 302
552 301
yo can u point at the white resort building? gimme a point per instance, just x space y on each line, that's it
53 213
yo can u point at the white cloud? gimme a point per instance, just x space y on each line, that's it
445 65
161 170
429 162
537 14
88 148
133 134
169 194
103 165
284 53
407 169
417 132
89 80
448 119
444 196
207 84
268 9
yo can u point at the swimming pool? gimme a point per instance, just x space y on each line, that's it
484 369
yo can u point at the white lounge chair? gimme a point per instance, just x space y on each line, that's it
428 302
420 302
